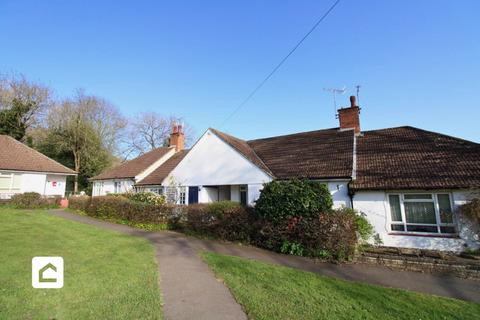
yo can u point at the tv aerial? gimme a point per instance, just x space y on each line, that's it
334 92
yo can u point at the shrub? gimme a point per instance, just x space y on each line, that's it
125 209
363 226
224 220
324 235
471 209
280 200
33 200
79 202
147 197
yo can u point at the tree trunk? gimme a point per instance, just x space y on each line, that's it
76 157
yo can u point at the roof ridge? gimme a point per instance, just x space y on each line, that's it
293 134
423 130
38 152
264 165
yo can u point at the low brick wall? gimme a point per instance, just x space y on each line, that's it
447 264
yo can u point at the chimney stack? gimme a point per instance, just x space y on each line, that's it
177 137
350 117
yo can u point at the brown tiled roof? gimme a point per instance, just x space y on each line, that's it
14 155
243 148
411 158
132 168
159 174
315 155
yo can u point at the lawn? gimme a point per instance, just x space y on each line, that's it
273 292
107 275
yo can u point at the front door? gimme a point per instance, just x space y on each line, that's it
192 195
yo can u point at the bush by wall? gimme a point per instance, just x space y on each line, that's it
283 200
124 209
225 220
471 209
34 200
329 235
146 197
79 202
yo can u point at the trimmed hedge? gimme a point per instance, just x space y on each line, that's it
224 220
34 200
329 235
107 207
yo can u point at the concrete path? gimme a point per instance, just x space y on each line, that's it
190 289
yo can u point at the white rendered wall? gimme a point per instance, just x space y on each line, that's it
33 182
55 185
211 161
339 192
375 205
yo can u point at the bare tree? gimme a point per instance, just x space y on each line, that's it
87 127
150 130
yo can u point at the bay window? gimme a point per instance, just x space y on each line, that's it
421 213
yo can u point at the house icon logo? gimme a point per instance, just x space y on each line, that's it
47 272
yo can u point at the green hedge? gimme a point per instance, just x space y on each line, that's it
281 200
34 200
329 235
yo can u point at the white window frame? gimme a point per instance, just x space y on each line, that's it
434 200
182 195
11 176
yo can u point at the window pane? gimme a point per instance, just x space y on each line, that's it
446 215
417 196
430 229
243 195
395 207
5 182
17 181
420 212
398 227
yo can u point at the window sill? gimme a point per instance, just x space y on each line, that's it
427 235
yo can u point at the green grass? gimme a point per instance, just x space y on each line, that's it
107 275
273 292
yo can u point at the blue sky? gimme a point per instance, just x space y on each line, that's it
418 62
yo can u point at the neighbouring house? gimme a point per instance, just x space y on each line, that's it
407 181
23 169
146 172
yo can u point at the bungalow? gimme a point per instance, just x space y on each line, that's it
148 172
407 181
23 169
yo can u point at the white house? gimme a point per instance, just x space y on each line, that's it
23 169
145 172
407 181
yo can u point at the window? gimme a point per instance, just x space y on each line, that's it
10 181
158 190
243 195
421 213
117 187
182 195
98 188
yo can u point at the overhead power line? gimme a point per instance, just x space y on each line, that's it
260 85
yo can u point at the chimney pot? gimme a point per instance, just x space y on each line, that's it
353 101
177 138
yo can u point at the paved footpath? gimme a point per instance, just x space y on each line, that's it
191 291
